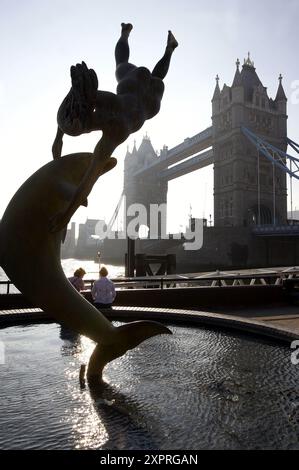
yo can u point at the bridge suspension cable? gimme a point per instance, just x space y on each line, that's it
293 144
295 147
279 159
275 155
115 213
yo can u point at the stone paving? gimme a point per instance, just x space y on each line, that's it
284 316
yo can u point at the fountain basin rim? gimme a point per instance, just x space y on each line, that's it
168 316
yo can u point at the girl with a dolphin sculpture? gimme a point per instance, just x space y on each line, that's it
33 224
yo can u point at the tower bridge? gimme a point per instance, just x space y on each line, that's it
246 144
246 189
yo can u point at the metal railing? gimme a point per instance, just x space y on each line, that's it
6 285
221 280
233 280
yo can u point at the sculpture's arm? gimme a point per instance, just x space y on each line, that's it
57 144
100 164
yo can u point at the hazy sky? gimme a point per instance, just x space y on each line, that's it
40 39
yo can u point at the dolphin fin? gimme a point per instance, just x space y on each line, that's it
111 163
128 337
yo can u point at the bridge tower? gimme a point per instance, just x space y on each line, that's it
143 189
247 188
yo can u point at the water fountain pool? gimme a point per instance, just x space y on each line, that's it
197 389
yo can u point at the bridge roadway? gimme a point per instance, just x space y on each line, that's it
188 166
186 149
276 231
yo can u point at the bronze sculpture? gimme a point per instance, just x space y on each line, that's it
30 248
85 109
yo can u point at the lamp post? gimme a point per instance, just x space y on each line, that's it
97 238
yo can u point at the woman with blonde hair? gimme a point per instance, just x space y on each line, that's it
103 290
77 279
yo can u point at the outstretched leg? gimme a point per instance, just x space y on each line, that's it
161 69
122 52
57 144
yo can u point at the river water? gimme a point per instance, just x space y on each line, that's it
70 265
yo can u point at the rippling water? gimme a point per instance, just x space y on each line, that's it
199 389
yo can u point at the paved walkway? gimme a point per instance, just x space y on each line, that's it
285 316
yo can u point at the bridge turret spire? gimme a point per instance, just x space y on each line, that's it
248 61
216 95
280 96
134 151
128 154
237 79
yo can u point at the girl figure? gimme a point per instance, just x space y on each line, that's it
86 109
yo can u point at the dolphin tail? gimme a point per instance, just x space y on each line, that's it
128 337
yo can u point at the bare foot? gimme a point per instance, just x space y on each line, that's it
171 41
126 28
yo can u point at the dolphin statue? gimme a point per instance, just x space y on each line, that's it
30 256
